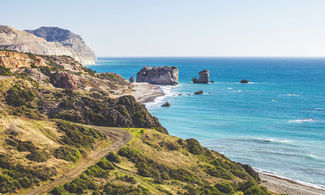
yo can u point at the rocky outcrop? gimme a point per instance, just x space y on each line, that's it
131 79
81 52
161 75
63 80
167 104
204 77
17 40
244 81
198 92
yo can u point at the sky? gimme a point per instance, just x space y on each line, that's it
117 28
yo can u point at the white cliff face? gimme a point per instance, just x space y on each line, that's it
81 52
12 39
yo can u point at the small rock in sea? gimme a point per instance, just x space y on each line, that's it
167 104
244 81
198 92
194 80
179 94
211 81
131 79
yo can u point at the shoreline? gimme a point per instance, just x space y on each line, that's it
282 185
146 93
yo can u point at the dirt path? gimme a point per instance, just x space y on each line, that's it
118 139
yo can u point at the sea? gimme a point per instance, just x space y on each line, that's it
275 123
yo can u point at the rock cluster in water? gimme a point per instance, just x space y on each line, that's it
160 75
204 77
244 81
167 104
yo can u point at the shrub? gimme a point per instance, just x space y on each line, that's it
194 146
80 185
26 146
128 179
224 187
58 190
5 71
79 136
67 153
8 184
105 164
253 190
218 172
113 157
38 156
17 96
96 171
45 70
171 146
110 188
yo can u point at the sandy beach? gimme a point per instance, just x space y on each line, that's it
286 186
145 92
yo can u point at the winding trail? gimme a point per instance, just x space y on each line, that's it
118 137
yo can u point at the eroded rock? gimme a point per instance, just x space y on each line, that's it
160 75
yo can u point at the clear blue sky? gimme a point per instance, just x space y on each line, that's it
181 27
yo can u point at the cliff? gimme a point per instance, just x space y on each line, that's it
70 44
81 52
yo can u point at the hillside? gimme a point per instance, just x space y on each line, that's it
66 129
47 41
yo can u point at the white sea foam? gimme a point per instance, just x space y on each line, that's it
301 120
168 92
319 108
292 94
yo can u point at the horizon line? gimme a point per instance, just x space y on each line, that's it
210 56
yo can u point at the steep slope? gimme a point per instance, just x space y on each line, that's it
68 39
17 40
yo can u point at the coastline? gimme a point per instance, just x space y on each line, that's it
147 93
284 185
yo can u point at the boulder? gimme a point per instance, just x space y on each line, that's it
204 77
167 104
131 79
244 81
160 75
198 92
63 80
211 81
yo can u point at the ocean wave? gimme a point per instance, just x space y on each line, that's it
168 92
302 120
267 140
292 94
319 108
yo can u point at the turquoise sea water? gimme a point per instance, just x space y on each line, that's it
276 123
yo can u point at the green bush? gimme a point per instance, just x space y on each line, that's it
58 190
67 153
224 187
17 96
105 164
8 184
26 146
79 136
113 157
5 71
45 70
194 146
96 171
80 185
38 156
256 190
128 179
218 172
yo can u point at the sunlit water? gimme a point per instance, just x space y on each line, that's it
276 123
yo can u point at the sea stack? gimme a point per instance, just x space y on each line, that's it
160 75
131 79
204 77
244 81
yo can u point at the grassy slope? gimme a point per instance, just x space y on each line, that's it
156 163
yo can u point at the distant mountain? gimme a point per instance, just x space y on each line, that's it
67 39
47 41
